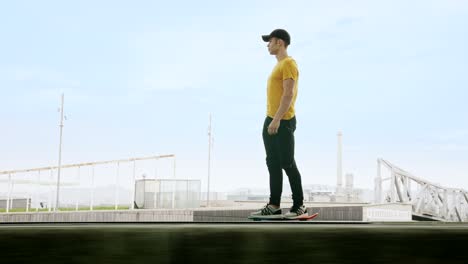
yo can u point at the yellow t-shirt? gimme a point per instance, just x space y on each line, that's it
284 69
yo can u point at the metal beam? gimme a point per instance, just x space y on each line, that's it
378 184
397 187
417 179
445 209
87 164
420 198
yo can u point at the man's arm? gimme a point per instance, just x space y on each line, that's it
285 103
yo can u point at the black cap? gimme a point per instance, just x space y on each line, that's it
280 34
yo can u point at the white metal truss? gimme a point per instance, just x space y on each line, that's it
428 199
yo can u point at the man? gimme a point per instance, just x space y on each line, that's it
279 127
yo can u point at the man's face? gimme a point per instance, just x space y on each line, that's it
273 46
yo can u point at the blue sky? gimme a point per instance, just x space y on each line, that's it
141 77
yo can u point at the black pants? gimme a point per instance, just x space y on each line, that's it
280 156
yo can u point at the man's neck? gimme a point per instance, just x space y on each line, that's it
281 55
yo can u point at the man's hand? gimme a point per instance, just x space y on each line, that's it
273 127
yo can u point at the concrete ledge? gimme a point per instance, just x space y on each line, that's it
100 216
395 212
364 213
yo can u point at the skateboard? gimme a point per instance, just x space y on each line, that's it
303 218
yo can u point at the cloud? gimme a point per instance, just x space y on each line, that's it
40 76
36 85
452 135
346 21
180 60
447 147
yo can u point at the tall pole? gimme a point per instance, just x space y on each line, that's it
8 202
117 186
132 206
209 163
37 189
60 158
91 205
339 172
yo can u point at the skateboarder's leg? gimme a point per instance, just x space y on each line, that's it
296 183
288 163
274 164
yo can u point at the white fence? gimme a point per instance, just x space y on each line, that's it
109 184
167 193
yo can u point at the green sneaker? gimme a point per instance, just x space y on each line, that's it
296 212
267 212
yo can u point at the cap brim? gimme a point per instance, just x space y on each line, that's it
266 38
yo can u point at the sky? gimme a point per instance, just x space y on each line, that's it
140 78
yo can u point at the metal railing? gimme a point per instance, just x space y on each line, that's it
427 199
35 180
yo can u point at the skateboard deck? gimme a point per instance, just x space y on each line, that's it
304 218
